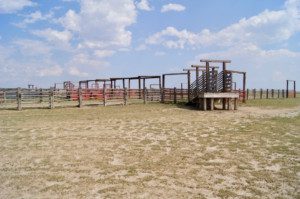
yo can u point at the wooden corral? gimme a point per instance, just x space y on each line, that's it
212 85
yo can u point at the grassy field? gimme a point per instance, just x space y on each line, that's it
151 151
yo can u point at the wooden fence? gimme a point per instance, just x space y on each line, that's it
269 93
46 98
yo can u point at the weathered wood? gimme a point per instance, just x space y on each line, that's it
80 104
175 95
19 99
254 93
272 93
211 104
204 104
247 94
287 88
145 95
215 60
244 87
125 96
189 85
51 99
41 95
104 95
235 105
267 94
261 93
278 93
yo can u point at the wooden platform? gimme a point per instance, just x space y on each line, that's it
206 101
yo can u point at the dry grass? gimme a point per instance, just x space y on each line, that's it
149 151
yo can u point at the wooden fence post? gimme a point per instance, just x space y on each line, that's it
272 92
104 95
278 94
261 93
51 99
267 96
282 93
247 94
125 96
79 97
254 93
19 99
145 95
41 95
175 95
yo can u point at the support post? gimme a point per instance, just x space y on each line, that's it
295 93
163 89
287 88
197 81
261 93
247 94
145 91
229 104
272 93
175 95
181 92
125 96
123 81
139 83
160 90
51 99
207 77
19 99
41 95
278 93
244 86
79 97
211 104
282 93
104 95
267 96
129 88
235 105
204 104
189 84
254 93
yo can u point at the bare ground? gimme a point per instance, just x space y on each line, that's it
150 151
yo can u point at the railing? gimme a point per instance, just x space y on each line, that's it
46 98
269 93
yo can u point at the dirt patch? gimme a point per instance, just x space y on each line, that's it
149 151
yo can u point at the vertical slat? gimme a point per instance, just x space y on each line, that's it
175 95
19 99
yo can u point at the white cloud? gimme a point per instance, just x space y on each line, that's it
172 7
144 5
101 23
104 53
265 28
54 35
74 71
12 6
50 71
33 18
30 47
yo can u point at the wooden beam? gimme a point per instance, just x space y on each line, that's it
198 66
169 74
235 71
215 60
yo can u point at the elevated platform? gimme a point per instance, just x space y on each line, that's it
206 101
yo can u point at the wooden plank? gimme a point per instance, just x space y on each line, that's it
215 60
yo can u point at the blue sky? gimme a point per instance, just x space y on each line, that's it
42 42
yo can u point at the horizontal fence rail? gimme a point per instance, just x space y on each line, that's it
59 98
